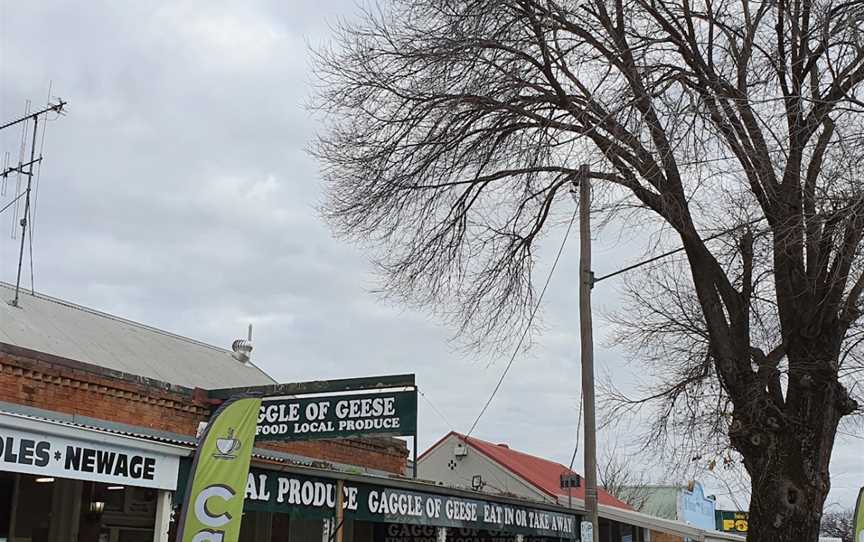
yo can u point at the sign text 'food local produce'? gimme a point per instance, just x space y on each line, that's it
325 417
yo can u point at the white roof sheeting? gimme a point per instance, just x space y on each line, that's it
66 330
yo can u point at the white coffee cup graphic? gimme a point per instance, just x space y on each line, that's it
228 444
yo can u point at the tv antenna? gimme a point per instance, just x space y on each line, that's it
27 169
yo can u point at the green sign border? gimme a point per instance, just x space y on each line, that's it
338 416
263 495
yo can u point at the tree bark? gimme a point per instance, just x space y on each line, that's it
787 452
776 520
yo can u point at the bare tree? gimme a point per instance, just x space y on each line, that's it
621 478
839 524
686 412
454 128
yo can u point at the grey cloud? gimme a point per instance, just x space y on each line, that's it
177 192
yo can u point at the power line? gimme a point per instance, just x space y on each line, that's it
527 326
675 251
604 277
635 266
435 409
576 448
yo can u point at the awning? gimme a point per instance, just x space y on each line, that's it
311 493
52 449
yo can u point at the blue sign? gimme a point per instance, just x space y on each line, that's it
695 509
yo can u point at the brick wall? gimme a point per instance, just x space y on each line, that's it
657 536
43 381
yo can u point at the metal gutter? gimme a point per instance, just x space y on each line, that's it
86 422
20 421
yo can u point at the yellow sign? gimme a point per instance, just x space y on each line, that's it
731 522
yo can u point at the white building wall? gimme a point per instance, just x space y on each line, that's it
442 465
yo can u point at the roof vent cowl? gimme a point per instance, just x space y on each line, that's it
242 348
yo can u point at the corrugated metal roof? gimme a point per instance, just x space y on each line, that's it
66 330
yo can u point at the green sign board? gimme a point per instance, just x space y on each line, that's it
338 416
730 521
312 497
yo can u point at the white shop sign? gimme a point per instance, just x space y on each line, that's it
66 457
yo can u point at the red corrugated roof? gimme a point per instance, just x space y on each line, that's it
542 473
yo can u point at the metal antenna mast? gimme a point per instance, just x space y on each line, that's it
28 172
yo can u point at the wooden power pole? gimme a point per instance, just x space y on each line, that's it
586 282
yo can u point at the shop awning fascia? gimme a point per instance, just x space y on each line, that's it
412 484
664 525
60 429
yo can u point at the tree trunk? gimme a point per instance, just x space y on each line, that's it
784 507
787 450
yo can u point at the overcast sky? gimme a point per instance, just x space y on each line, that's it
177 192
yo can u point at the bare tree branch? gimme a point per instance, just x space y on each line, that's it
451 127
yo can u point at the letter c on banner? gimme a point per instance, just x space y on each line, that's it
204 515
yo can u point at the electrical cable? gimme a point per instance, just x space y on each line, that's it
635 266
675 251
435 409
528 325
579 424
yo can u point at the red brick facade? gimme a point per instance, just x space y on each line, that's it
43 381
657 536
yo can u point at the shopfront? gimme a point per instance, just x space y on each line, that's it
288 506
61 482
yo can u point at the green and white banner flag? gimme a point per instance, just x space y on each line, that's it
213 507
859 517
